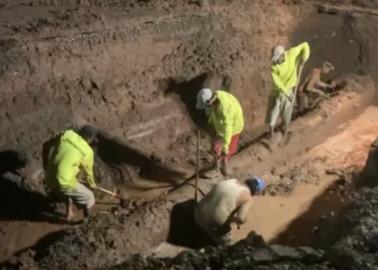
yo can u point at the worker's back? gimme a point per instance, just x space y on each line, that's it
231 107
215 208
285 74
66 160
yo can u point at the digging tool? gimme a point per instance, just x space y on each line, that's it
122 201
114 194
285 139
197 166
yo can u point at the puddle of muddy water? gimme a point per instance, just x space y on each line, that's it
292 220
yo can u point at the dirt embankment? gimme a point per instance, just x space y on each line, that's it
130 67
133 68
102 240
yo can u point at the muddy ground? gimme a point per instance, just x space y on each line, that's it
133 68
348 240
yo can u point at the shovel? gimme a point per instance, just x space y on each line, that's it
122 201
197 166
286 138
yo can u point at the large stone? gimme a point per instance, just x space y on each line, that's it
263 256
285 253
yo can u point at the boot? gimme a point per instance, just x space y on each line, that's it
215 172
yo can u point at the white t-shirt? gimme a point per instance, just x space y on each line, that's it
216 207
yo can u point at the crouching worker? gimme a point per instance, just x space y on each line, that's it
226 118
228 202
66 155
313 85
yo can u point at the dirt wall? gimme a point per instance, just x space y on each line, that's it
130 67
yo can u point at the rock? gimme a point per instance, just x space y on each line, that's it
310 255
263 256
285 253
254 240
372 244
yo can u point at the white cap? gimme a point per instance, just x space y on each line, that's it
203 96
277 52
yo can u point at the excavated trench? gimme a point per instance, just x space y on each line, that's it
137 82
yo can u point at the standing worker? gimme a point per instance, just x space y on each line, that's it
71 153
285 65
313 84
228 202
226 117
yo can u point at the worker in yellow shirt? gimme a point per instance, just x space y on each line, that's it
285 65
72 153
226 117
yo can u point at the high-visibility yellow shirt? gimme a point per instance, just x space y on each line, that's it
285 75
226 118
72 154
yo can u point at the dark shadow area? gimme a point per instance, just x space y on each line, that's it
316 225
17 202
369 175
187 91
11 161
121 156
183 231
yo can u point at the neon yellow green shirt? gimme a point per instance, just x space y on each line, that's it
285 75
226 118
72 154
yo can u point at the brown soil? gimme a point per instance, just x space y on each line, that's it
133 68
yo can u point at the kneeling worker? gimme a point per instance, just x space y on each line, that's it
314 85
72 153
228 202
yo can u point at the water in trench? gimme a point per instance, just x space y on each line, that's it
293 219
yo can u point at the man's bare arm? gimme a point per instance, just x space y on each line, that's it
314 84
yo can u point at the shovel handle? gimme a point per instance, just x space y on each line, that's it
197 165
114 194
107 191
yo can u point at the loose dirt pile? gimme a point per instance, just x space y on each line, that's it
101 241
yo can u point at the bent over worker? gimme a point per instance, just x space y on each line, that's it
228 202
72 153
226 117
285 64
313 85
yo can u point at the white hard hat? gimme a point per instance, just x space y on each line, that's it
203 96
277 52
